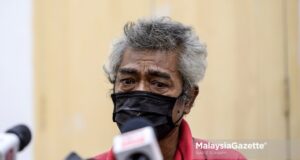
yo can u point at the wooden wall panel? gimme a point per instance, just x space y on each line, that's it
73 109
293 60
244 87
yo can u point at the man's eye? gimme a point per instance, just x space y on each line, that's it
127 81
159 84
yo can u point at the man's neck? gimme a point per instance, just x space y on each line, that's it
168 145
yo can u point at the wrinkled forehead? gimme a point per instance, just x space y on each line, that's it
150 60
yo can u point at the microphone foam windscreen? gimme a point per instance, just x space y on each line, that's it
23 134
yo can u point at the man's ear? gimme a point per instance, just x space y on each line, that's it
192 94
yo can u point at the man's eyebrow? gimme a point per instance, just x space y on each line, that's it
128 71
160 74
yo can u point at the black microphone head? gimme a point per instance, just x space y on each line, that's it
73 156
23 133
135 123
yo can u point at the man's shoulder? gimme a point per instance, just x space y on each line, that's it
203 148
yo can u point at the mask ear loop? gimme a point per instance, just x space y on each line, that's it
114 110
114 88
183 113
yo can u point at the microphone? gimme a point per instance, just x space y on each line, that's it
73 156
137 141
15 139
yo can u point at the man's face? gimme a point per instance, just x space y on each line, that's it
151 71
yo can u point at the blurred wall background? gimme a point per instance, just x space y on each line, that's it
16 68
251 89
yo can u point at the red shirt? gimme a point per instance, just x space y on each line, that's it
187 150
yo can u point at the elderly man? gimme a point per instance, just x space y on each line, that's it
160 61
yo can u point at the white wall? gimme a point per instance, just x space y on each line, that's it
16 68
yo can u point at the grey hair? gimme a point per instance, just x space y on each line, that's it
162 34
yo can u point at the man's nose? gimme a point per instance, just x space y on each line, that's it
142 86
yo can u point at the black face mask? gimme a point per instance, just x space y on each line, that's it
153 107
